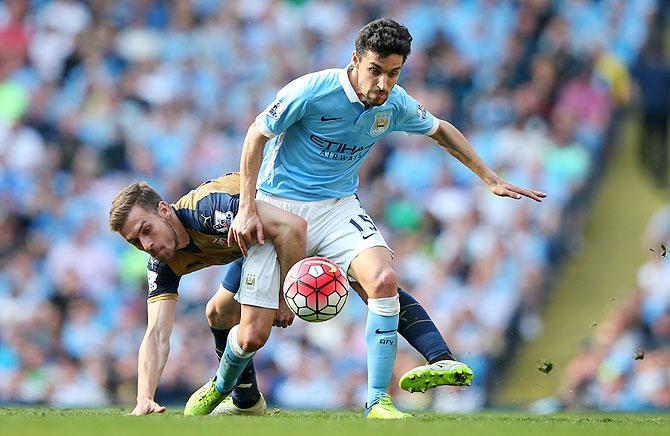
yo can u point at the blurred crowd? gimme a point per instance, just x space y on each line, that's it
95 95
626 365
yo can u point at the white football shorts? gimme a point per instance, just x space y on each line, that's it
338 229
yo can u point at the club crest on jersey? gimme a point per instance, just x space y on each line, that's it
276 109
222 221
381 123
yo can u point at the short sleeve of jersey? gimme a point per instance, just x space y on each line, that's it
289 107
163 282
415 118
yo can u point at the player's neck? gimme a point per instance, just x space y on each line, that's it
352 75
183 238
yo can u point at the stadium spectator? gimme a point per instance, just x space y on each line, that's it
625 365
174 85
652 74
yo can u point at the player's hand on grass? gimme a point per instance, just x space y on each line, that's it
146 407
284 316
246 230
506 189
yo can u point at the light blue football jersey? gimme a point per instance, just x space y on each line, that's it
321 133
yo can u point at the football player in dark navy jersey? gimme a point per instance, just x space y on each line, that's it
192 234
184 237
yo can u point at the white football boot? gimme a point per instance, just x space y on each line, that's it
227 407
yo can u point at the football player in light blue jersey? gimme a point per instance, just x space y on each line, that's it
321 127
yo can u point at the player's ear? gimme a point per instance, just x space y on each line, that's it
354 59
163 209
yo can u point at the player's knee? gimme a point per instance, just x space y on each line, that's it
384 285
212 313
219 316
252 339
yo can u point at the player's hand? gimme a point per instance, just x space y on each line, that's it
146 407
246 230
284 316
505 189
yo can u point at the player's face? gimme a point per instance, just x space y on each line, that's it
376 76
151 231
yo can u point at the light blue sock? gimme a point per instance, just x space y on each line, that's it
232 364
381 336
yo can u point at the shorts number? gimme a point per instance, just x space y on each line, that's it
365 225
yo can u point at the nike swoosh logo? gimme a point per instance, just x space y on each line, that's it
366 237
379 332
329 119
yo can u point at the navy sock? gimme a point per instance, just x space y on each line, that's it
220 339
420 331
246 393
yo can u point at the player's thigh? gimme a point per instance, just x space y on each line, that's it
345 233
259 285
222 311
305 210
277 220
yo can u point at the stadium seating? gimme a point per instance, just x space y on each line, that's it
625 364
91 100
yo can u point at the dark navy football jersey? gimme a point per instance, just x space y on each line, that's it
207 213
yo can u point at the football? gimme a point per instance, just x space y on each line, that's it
316 289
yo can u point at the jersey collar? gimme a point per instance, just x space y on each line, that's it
346 85
349 89
192 247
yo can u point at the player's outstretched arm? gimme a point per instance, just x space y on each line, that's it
288 234
452 140
247 228
153 355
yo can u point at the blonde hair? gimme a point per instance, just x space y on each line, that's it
138 193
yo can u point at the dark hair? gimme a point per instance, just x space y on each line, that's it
140 193
384 37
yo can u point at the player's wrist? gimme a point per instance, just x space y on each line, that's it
491 178
248 205
144 399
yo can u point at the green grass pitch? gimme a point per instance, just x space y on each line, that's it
44 421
